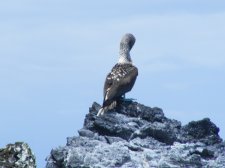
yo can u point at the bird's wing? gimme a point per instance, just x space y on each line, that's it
119 81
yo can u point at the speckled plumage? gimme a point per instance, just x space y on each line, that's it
119 81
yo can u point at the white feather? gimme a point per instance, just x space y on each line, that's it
101 112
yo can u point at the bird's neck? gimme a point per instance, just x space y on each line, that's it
125 58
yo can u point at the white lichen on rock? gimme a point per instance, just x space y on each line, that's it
18 155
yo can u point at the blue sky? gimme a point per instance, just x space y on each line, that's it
54 56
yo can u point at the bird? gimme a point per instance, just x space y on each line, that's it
122 77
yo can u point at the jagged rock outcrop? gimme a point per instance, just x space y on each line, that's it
136 136
18 155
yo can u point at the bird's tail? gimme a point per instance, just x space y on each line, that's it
101 111
106 108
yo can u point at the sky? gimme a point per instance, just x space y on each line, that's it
54 57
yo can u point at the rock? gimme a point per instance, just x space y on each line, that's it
203 130
137 136
18 155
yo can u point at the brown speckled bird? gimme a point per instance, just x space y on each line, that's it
122 77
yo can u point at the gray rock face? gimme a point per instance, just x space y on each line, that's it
17 155
136 136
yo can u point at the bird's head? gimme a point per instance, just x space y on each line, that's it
126 45
127 42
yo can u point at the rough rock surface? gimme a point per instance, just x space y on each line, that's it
136 136
17 155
